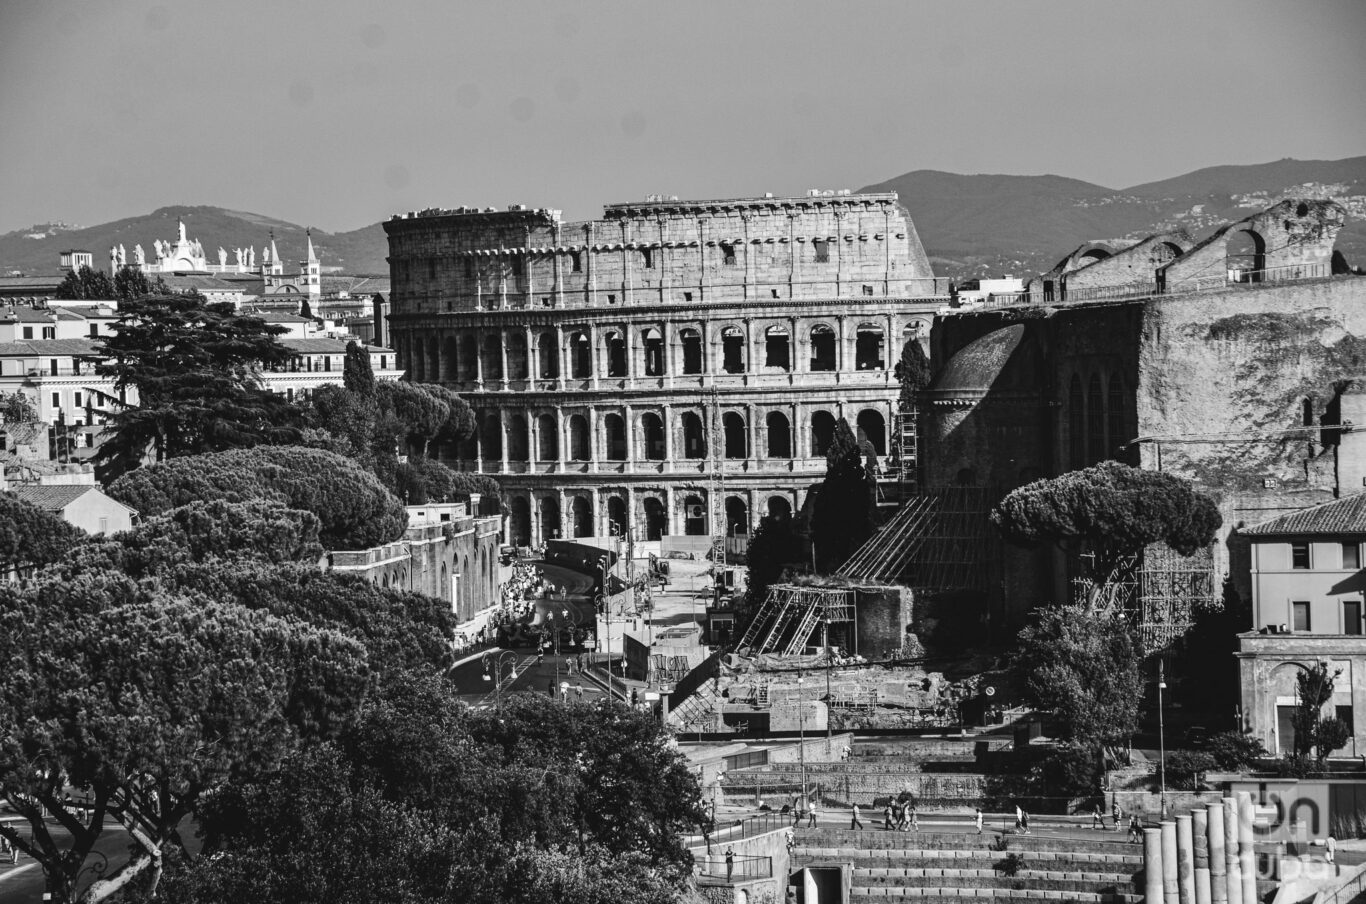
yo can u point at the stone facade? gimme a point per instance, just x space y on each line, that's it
446 553
605 358
1237 384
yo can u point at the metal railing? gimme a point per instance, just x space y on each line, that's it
1352 887
742 866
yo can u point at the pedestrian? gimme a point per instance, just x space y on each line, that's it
844 753
797 813
811 814
550 688
706 833
1019 818
1024 821
790 837
1135 830
915 819
730 863
1331 847
855 822
978 820
1097 818
887 817
1118 813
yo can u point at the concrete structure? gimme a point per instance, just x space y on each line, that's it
608 360
1242 384
80 505
447 552
1308 600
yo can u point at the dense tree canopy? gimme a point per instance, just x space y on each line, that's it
16 408
86 284
1111 511
159 697
843 516
30 536
356 512
194 368
1081 667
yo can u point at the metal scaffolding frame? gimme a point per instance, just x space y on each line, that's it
939 540
790 613
1159 591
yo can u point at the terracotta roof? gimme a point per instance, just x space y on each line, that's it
1343 516
29 347
282 317
314 346
52 498
23 314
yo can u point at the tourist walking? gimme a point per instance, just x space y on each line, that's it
1024 822
730 863
854 821
1019 818
1118 813
791 839
811 814
1097 818
915 819
1135 830
1330 848
978 820
887 817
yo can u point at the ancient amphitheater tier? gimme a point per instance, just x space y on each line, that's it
630 370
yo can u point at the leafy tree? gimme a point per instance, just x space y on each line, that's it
194 368
357 375
30 536
131 282
356 512
772 549
1233 750
1184 768
1081 667
409 416
1313 733
261 530
158 699
17 408
1110 511
459 424
912 371
86 285
349 418
843 516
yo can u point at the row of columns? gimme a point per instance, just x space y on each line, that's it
1204 857
433 364
800 433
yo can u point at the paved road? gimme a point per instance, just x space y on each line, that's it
23 882
469 678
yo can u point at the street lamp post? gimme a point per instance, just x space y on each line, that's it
829 661
493 671
1161 738
801 731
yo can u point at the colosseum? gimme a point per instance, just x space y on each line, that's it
628 371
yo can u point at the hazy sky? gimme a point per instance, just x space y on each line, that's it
339 113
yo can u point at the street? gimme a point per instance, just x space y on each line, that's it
469 683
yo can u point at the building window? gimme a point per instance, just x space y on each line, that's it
327 362
383 362
867 290
728 254
49 332
56 400
76 399
516 266
687 296
28 332
52 366
469 268
575 262
1300 613
1351 616
611 299
1299 554
648 256
822 248
1344 714
1351 555
94 330
104 525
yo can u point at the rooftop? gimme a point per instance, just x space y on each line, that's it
1342 516
52 498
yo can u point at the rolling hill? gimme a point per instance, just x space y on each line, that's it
972 225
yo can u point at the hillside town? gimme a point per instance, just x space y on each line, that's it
728 547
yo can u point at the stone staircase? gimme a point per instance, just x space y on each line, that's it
965 867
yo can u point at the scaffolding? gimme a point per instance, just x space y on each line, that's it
907 463
1159 592
789 614
939 540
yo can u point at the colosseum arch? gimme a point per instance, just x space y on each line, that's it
1245 255
491 440
736 435
779 435
417 370
733 350
778 347
656 518
493 356
690 341
450 360
614 433
694 516
870 347
547 357
468 358
519 521
822 432
737 517
549 511
581 516
872 426
614 349
579 447
652 436
616 516
433 361
652 348
823 348
580 356
548 438
518 368
779 507
518 440
694 436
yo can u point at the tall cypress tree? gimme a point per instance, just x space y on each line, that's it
843 516
357 376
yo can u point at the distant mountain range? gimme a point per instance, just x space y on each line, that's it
978 225
986 225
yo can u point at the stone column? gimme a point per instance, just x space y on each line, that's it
561 357
557 530
1218 868
478 359
1170 893
533 360
593 355
533 440
751 359
1152 866
1185 852
1247 863
667 415
1233 870
628 424
752 440
503 431
503 353
594 443
1200 837
560 440
558 275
